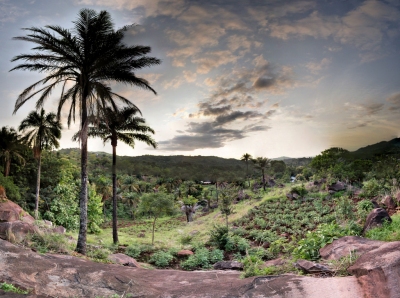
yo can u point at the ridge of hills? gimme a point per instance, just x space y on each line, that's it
205 168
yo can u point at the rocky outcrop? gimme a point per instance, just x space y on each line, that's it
184 253
17 231
228 265
378 271
337 186
349 244
124 260
311 267
376 218
68 276
9 211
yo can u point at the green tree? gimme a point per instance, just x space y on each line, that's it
83 61
42 132
125 126
157 205
10 148
247 157
262 163
227 196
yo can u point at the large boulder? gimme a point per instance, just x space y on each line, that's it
16 231
9 211
67 276
376 218
124 260
228 265
337 186
389 203
342 247
378 271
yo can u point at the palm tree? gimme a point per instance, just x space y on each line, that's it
125 126
10 148
83 62
262 163
246 157
42 131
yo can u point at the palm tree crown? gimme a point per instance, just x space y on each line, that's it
42 131
262 163
83 62
121 125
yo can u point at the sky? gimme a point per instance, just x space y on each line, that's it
267 77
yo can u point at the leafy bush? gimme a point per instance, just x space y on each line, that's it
340 266
12 190
309 247
219 236
236 243
388 231
299 189
98 253
49 242
344 209
201 259
216 255
6 287
161 259
364 207
136 250
371 188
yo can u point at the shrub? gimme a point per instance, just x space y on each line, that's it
199 260
299 189
340 266
371 188
219 236
364 207
236 243
98 253
6 287
388 231
135 250
216 255
344 209
161 259
49 242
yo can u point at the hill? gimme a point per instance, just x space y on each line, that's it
391 147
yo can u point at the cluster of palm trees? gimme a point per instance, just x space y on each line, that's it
84 61
261 163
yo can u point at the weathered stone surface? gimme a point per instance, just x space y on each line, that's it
228 265
184 253
311 267
344 246
124 260
16 231
389 203
9 211
376 219
67 276
378 271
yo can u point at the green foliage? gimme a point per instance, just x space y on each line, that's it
364 207
12 190
388 231
136 250
161 259
308 248
299 189
340 266
344 209
98 253
237 244
95 211
371 188
6 287
202 258
219 236
48 242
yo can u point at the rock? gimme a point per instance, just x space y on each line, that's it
311 267
342 247
266 245
184 253
338 186
16 231
9 211
296 196
48 275
271 182
275 262
289 196
124 260
378 271
141 235
389 203
228 265
59 230
376 219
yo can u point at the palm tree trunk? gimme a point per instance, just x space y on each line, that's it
37 187
263 175
7 165
114 182
83 196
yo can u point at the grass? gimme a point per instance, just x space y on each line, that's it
11 288
388 231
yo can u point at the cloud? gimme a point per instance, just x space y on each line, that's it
316 67
10 12
394 100
365 109
213 60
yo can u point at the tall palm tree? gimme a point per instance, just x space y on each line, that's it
10 148
262 163
247 157
125 126
42 131
83 62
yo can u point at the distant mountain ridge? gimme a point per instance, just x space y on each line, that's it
382 148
